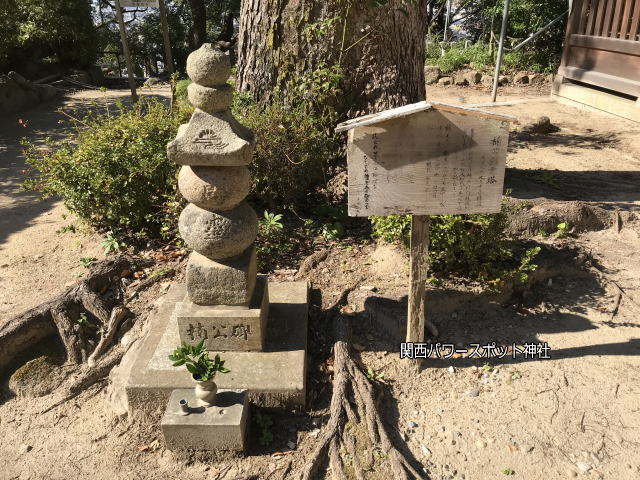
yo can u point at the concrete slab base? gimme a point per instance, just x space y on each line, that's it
275 377
222 426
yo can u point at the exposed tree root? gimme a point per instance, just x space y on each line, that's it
83 316
353 403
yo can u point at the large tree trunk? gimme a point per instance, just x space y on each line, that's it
198 33
380 49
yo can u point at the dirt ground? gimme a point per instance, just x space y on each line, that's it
41 243
575 415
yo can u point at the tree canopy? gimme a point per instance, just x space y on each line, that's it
44 31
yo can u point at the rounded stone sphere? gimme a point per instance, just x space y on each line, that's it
208 66
214 188
218 235
208 99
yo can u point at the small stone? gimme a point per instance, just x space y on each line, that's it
572 473
445 81
583 467
214 188
473 78
209 99
550 282
481 444
412 425
536 79
209 66
425 450
459 79
416 413
24 448
369 288
474 392
291 445
431 74
218 235
451 369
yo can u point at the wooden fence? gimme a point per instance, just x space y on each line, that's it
602 45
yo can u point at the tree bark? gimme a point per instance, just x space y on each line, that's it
198 33
380 49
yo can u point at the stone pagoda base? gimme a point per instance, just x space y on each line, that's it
275 377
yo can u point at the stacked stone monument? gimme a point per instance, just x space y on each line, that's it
227 302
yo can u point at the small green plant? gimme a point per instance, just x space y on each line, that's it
514 375
83 321
264 422
88 261
162 272
373 375
110 244
332 231
508 471
197 361
486 367
271 222
67 228
562 230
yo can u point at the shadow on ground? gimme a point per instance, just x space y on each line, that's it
52 120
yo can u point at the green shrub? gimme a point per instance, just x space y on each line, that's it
395 228
469 246
458 57
181 90
113 171
293 147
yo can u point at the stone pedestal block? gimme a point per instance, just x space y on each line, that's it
212 140
222 283
221 427
219 235
226 328
214 188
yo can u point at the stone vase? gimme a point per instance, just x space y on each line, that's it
206 392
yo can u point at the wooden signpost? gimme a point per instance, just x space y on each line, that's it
425 159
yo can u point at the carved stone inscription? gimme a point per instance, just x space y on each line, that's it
225 328
428 163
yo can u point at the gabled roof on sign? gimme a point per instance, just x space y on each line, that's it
413 108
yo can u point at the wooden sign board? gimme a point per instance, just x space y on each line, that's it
139 3
426 159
